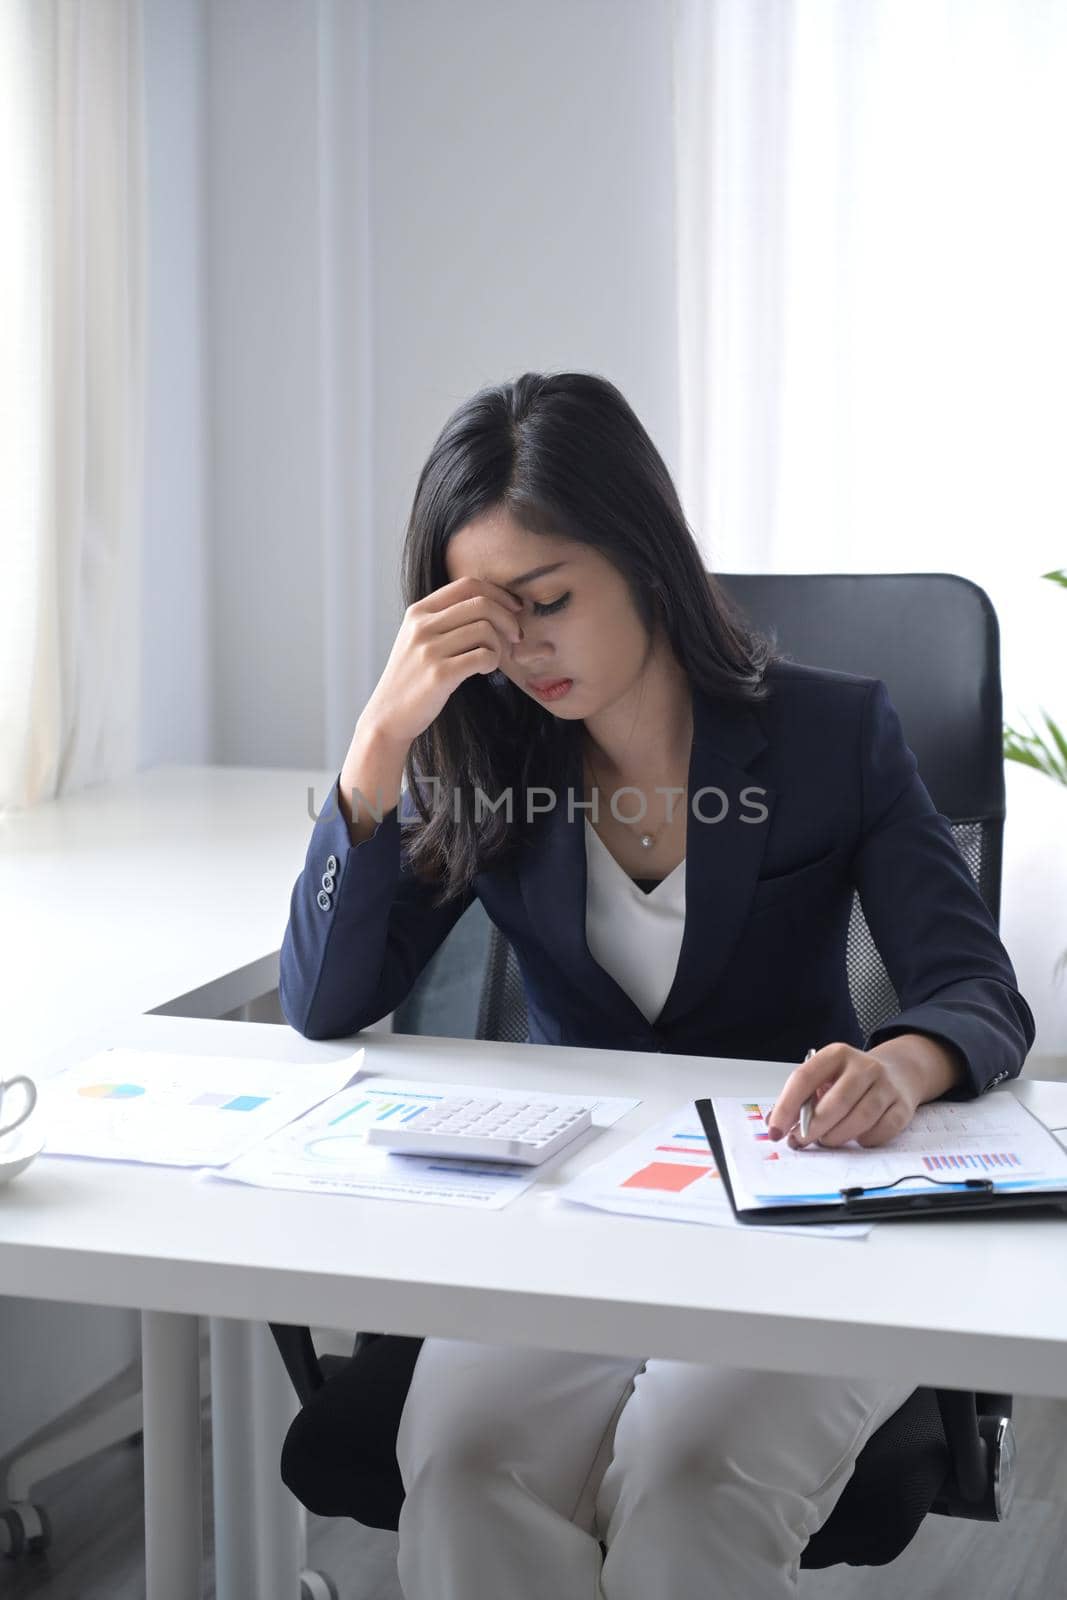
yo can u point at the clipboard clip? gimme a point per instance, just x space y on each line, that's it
857 1190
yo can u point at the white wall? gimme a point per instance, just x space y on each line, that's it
55 1355
395 216
176 654
522 215
359 213
264 360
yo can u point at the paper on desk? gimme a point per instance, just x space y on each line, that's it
668 1171
165 1108
326 1151
946 1141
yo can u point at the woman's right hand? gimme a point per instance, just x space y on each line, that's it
445 638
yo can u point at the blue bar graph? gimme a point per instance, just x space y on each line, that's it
349 1113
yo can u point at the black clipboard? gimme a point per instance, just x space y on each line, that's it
873 1204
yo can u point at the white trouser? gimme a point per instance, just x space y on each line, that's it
704 1482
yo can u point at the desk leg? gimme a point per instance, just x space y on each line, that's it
174 1532
279 1521
233 1452
259 1529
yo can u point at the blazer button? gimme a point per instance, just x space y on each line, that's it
331 865
324 900
327 882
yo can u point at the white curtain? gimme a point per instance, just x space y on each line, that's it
71 393
872 247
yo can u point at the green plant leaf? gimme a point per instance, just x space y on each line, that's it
1030 750
1047 756
1061 742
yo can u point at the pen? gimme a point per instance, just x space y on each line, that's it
809 1105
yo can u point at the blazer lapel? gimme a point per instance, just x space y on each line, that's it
722 857
722 864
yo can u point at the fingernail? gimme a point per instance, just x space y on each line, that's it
775 1133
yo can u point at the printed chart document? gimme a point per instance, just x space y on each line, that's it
668 1171
327 1151
165 1108
946 1142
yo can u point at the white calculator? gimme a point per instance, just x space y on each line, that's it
527 1131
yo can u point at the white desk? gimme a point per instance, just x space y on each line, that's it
122 897
962 1303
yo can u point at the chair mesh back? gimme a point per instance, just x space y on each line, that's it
502 1010
873 995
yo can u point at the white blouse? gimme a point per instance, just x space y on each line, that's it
633 934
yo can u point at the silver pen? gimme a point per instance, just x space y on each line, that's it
808 1107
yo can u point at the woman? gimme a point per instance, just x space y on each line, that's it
562 642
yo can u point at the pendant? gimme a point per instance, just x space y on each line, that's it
648 840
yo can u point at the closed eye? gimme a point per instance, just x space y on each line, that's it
555 605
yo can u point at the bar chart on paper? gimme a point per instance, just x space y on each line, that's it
371 1106
327 1151
753 1115
976 1161
668 1171
946 1145
165 1108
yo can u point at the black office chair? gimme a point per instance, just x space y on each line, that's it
934 639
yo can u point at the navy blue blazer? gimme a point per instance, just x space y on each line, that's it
817 794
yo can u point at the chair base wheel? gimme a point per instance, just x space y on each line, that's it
317 1586
24 1530
999 1435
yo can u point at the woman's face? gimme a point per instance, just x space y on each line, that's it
579 621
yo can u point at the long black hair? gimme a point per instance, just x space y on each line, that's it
562 453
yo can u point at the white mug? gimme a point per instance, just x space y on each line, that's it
30 1090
